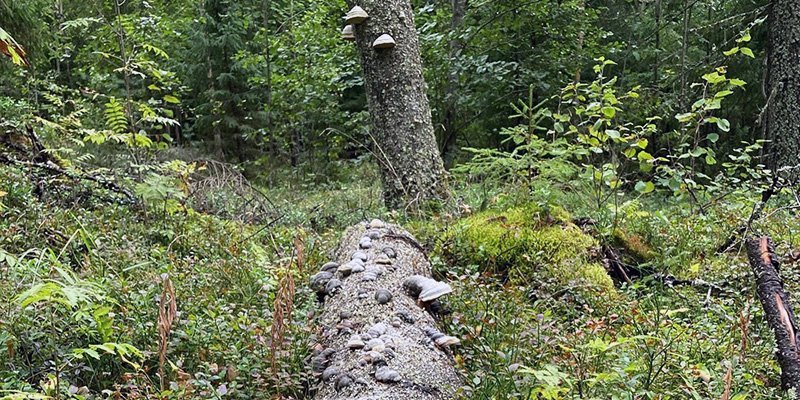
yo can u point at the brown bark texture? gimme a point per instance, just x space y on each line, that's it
377 338
777 308
782 124
412 168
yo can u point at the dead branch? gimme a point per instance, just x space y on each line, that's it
777 308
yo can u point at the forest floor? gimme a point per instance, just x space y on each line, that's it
82 282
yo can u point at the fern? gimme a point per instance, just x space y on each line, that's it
115 117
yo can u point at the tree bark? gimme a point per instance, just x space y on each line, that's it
412 169
376 338
450 123
782 125
777 308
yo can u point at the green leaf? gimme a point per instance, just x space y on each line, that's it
645 156
731 51
609 112
724 125
723 93
714 77
746 51
697 152
710 160
737 82
712 137
685 117
614 134
642 143
745 37
645 187
171 99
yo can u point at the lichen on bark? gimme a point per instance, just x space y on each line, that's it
782 125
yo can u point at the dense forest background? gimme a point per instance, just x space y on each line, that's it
271 83
172 172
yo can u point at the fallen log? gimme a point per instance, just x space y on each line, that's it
377 337
777 309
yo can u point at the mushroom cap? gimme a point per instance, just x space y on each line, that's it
384 41
330 266
376 224
355 16
383 296
348 33
360 255
386 375
445 341
434 291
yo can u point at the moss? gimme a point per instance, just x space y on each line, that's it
633 245
527 244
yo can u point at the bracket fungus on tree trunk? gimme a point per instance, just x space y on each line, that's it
348 33
355 16
384 41
376 339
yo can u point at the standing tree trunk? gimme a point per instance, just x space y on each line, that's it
411 166
782 125
450 122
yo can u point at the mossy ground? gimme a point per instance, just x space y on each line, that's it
526 245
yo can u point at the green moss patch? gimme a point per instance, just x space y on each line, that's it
527 244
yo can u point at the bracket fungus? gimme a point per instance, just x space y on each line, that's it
348 33
355 16
440 338
384 41
426 289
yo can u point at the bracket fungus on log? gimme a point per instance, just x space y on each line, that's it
383 345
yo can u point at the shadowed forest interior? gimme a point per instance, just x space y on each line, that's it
598 199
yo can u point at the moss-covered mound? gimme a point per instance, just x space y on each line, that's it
527 244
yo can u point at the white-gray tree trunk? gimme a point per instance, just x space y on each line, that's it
412 169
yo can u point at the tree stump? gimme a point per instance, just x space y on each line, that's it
377 337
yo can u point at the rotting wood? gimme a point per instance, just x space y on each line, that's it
777 308
376 339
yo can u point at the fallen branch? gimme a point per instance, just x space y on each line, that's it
39 158
777 308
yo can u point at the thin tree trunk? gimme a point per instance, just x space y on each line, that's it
267 16
411 167
377 339
777 309
451 91
658 43
687 16
782 125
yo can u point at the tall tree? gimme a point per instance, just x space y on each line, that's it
782 125
411 166
456 44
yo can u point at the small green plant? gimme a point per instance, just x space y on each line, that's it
611 150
